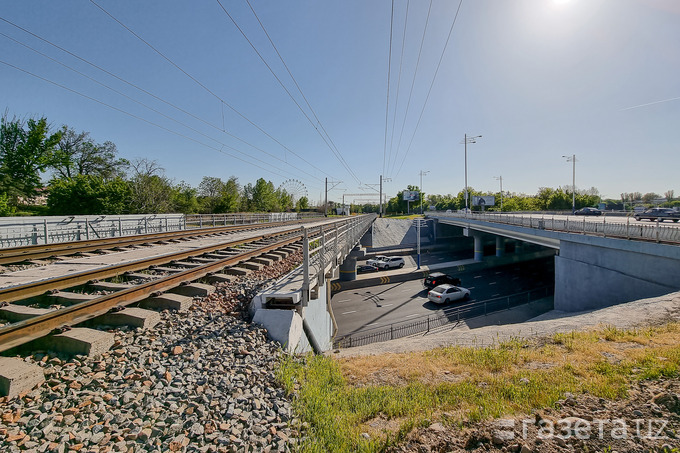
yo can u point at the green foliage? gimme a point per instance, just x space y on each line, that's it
78 154
184 199
6 210
217 196
87 194
25 151
302 204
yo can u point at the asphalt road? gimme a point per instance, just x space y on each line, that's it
373 307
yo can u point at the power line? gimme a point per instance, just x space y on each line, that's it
294 80
143 104
389 70
401 61
200 84
429 91
337 154
134 116
161 99
413 81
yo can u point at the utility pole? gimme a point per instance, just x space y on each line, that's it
572 159
500 178
422 173
325 206
381 191
467 140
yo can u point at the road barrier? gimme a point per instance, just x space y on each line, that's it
447 316
648 231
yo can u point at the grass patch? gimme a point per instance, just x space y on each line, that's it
340 401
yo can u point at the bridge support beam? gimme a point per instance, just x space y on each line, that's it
348 269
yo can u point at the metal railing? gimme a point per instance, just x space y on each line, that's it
327 250
446 316
22 231
648 231
244 218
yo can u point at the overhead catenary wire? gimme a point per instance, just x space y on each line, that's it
389 74
429 91
134 116
326 139
147 106
158 98
200 84
413 81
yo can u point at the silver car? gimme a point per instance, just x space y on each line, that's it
443 294
377 260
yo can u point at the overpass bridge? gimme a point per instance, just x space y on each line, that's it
599 261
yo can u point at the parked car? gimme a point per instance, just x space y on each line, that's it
391 262
366 268
588 211
443 294
658 213
377 260
439 278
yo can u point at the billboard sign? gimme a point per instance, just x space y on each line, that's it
483 201
411 195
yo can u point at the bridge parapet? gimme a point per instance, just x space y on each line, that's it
649 231
295 309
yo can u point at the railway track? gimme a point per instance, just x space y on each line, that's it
37 252
135 281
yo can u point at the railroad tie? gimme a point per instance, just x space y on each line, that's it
130 316
16 313
17 376
167 301
79 341
194 290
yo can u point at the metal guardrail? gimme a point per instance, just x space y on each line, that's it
329 248
648 231
447 316
22 231
244 218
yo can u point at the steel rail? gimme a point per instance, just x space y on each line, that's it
22 332
27 290
33 252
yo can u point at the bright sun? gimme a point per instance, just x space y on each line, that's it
561 2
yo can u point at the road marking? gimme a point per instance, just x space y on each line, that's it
471 287
348 312
372 324
478 276
498 272
495 295
516 278
405 290
414 314
493 283
386 305
343 300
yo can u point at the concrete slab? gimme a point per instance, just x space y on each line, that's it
194 290
109 286
67 298
17 376
204 260
236 271
16 313
263 261
284 326
80 341
220 278
131 316
167 301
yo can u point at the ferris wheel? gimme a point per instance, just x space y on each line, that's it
296 189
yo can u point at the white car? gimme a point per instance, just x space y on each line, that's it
377 260
443 294
391 262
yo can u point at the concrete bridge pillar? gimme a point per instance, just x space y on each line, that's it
479 247
348 269
500 246
518 247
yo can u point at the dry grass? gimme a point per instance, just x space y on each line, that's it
388 395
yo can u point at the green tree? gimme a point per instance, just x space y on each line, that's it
78 154
264 196
302 204
25 151
88 195
219 196
152 191
184 199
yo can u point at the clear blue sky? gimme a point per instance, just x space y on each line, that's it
538 79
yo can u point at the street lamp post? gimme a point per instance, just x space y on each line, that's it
422 173
467 140
572 159
500 178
